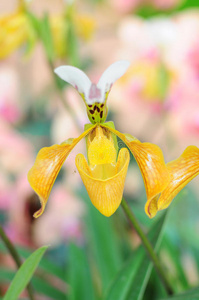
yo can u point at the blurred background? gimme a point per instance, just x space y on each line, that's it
157 101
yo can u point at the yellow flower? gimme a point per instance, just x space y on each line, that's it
60 24
105 172
105 175
15 30
85 26
18 28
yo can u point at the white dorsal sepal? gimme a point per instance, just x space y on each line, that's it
76 77
110 75
92 92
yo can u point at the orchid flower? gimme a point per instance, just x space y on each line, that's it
105 171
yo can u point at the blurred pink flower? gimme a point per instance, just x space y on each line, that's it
193 59
9 95
183 114
174 41
162 4
62 219
137 100
16 151
125 6
15 160
5 191
18 224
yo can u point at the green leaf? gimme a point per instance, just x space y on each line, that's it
131 281
103 244
148 11
40 285
72 41
47 289
35 22
163 82
188 4
192 294
175 254
79 276
24 274
45 264
46 37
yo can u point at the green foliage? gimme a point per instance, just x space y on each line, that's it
40 285
24 274
175 254
79 274
104 248
104 267
46 37
147 11
131 280
192 294
45 264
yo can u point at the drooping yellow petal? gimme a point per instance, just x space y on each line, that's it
182 171
150 160
47 166
105 192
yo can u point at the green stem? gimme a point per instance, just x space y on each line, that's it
148 247
15 256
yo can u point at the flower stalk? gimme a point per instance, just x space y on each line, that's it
15 256
148 247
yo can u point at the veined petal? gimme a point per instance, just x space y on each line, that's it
182 171
110 75
76 77
105 194
47 166
154 171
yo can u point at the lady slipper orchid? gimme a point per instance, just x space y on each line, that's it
105 172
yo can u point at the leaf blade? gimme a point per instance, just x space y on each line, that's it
46 265
79 274
40 284
192 294
24 274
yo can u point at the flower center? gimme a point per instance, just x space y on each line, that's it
101 149
97 112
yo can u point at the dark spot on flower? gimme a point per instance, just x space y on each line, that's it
101 114
98 110
95 107
102 105
91 111
93 118
90 105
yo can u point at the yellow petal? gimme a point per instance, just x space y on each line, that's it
105 194
47 166
182 171
150 160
